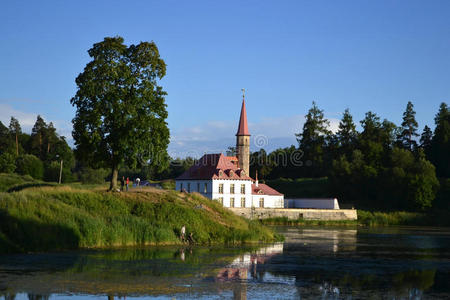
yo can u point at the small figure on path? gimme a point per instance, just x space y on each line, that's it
138 181
191 238
128 182
122 183
183 233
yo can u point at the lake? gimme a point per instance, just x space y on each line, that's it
312 263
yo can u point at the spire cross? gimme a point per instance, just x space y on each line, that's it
243 93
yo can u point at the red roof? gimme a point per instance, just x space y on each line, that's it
214 166
264 189
243 126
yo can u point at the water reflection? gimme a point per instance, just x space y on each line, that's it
312 263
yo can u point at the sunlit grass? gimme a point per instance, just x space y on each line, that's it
67 216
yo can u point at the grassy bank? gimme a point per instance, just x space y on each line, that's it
367 218
64 217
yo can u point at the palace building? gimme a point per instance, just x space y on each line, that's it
227 178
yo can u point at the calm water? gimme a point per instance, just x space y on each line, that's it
313 263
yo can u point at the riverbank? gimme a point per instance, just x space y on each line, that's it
65 217
367 218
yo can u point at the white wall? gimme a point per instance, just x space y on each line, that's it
312 203
179 184
226 195
213 192
270 201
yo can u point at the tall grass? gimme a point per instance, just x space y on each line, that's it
62 217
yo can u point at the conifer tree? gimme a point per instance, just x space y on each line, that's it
312 139
408 130
425 140
15 130
38 136
440 144
347 134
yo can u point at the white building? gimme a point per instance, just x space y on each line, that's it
226 179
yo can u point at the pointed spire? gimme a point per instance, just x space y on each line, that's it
243 126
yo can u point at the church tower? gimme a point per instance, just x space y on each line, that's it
243 141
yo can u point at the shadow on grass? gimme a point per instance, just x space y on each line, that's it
25 235
21 187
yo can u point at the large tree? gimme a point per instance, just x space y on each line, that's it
347 134
440 144
121 111
312 140
15 130
408 130
425 140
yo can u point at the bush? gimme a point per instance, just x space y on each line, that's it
30 165
89 175
7 163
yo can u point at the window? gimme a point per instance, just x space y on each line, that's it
231 202
231 188
189 187
243 202
261 202
220 188
181 187
206 188
220 200
242 188
198 187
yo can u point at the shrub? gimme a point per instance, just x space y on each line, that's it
7 163
89 175
30 165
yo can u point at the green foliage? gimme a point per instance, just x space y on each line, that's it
62 218
408 130
8 181
312 139
121 111
301 187
393 218
92 176
7 163
29 164
440 144
347 134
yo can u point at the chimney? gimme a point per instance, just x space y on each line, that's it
256 181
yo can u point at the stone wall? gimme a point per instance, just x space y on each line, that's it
296 213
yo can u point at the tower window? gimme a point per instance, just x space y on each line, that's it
198 187
189 187
206 188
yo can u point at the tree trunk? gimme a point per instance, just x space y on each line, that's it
115 173
17 145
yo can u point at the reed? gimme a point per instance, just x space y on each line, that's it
63 217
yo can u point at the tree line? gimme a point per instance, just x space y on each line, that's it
383 166
38 154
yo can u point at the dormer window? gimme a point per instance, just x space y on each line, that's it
220 173
231 173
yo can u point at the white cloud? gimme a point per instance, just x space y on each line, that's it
27 120
217 136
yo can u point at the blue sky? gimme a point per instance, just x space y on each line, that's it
364 55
